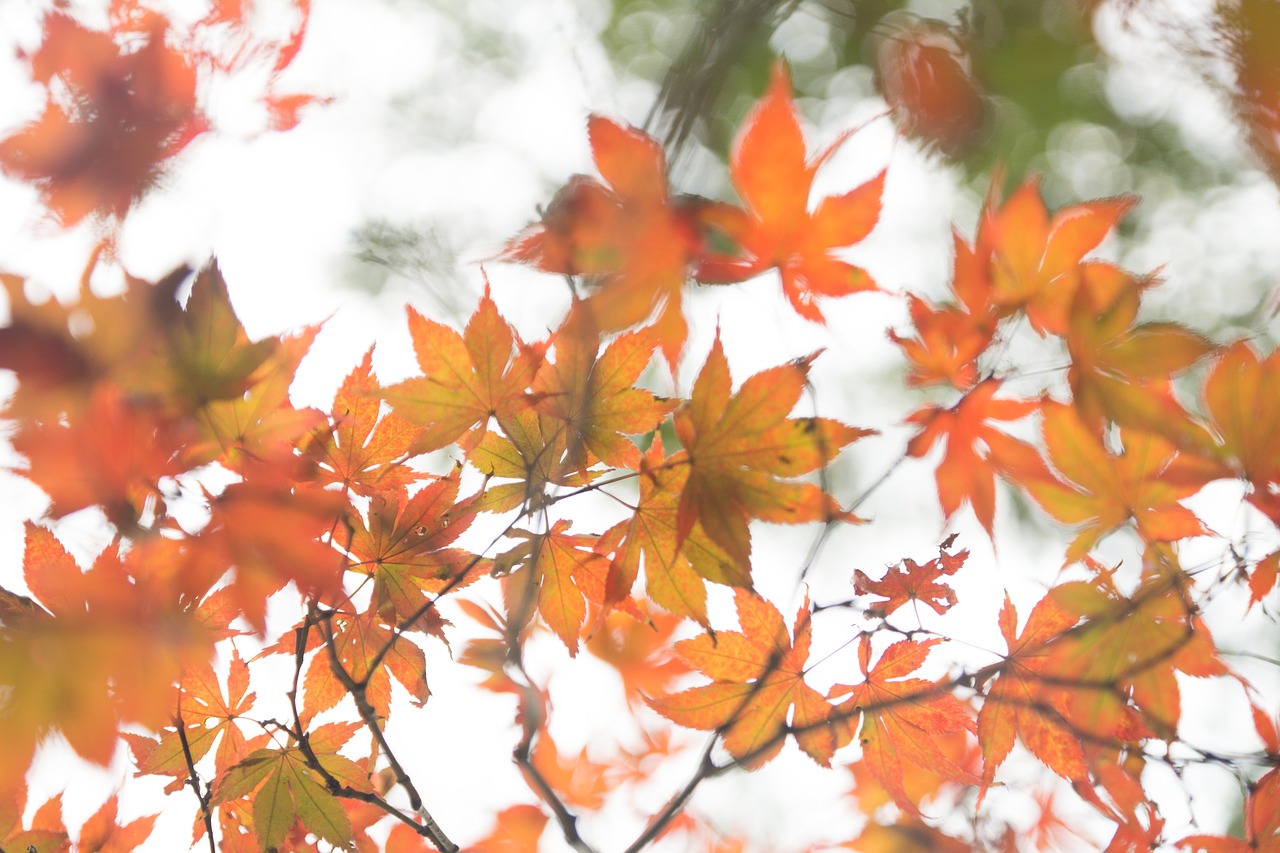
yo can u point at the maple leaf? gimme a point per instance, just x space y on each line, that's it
403 547
260 427
925 75
770 172
113 454
639 650
60 353
949 343
1036 261
953 335
675 567
908 835
739 446
468 378
1243 406
1263 578
579 781
516 830
918 782
269 532
897 717
1131 646
566 572
201 701
1261 823
364 450
628 235
285 789
966 473
102 834
46 834
532 452
909 581
105 650
1019 703
128 108
358 642
490 653
757 683
595 396
1121 371
204 353
1145 483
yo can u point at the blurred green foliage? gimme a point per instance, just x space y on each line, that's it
1037 66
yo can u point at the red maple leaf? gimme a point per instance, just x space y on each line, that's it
910 581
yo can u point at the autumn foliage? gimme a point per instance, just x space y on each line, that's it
128 402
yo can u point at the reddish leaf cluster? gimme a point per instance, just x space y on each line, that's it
123 102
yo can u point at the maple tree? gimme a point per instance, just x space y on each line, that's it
438 512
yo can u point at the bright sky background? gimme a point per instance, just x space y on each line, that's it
419 134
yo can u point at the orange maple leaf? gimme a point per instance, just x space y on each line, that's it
595 396
516 830
925 75
1020 705
112 454
739 447
639 650
61 352
1036 261
966 473
770 171
1121 371
107 649
404 546
757 683
1129 648
468 378
1104 490
358 641
46 834
897 717
952 336
269 532
674 568
565 573
907 835
627 235
580 782
201 701
101 833
1243 405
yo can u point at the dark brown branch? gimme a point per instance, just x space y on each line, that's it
194 781
369 715
532 721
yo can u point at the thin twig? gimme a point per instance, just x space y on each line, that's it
429 829
677 803
194 781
